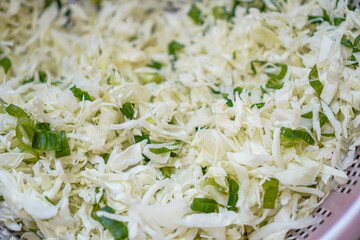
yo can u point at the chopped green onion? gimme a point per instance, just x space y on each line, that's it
233 195
274 83
212 182
323 119
6 64
258 105
204 205
15 111
346 42
43 127
173 48
50 140
172 154
282 73
143 136
314 81
195 14
238 90
252 64
27 125
106 157
50 201
328 134
219 12
338 21
315 19
2 198
128 110
289 137
203 170
233 55
270 188
166 171
308 115
28 80
117 229
64 149
28 149
356 42
146 159
150 77
42 77
79 94
263 223
326 16
155 64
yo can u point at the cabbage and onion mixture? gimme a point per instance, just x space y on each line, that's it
174 120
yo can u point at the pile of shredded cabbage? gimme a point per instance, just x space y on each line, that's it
252 106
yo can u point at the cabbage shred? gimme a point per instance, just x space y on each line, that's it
172 120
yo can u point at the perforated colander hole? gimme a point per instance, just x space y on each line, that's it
327 213
344 190
319 210
321 222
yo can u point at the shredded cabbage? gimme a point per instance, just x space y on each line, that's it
123 112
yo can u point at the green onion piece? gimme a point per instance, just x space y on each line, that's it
166 171
143 136
258 62
212 182
155 64
117 229
356 42
258 105
27 125
270 188
174 47
150 77
165 149
195 14
28 149
236 3
314 80
15 111
289 137
172 154
43 127
106 156
322 118
128 110
2 109
308 115
42 77
65 149
263 223
338 21
229 102
203 170
238 90
2 199
146 159
346 42
219 12
326 16
328 134
79 94
6 64
274 83
233 55
50 201
282 73
204 205
50 140
315 19
233 195
28 80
